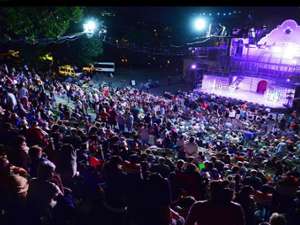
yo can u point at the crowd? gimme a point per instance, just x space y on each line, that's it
76 153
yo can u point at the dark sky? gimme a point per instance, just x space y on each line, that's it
175 15
180 18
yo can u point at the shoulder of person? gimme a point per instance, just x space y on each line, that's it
200 204
235 205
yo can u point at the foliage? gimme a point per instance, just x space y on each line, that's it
80 52
36 23
33 23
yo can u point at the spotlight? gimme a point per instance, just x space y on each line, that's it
90 27
199 24
193 66
290 52
276 49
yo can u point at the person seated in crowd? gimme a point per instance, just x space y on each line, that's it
220 203
18 155
191 148
43 194
277 219
13 191
61 164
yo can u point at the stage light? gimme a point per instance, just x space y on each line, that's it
90 27
276 49
199 24
193 66
289 52
288 80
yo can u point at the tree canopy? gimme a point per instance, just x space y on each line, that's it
80 52
32 23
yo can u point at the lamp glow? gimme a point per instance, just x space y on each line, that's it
289 52
276 49
193 66
199 24
90 27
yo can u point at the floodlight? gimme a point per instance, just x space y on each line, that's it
289 52
199 24
90 27
276 49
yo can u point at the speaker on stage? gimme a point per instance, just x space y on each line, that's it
198 78
297 92
296 105
296 101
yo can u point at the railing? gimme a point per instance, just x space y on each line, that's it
264 69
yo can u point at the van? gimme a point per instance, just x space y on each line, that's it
66 71
105 67
89 69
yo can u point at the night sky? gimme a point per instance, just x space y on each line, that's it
179 18
137 24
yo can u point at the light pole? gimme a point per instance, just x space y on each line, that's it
90 27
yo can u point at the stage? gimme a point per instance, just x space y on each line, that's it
247 96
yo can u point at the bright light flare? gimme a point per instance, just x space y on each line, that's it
199 24
276 49
90 27
290 52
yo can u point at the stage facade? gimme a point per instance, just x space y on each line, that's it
266 72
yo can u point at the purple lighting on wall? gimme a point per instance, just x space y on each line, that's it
193 66
290 52
276 49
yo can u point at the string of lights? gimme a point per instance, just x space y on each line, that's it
221 14
45 41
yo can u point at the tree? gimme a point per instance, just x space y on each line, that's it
80 52
33 23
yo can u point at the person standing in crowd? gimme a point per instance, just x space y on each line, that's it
129 122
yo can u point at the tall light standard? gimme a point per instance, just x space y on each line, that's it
90 27
200 24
